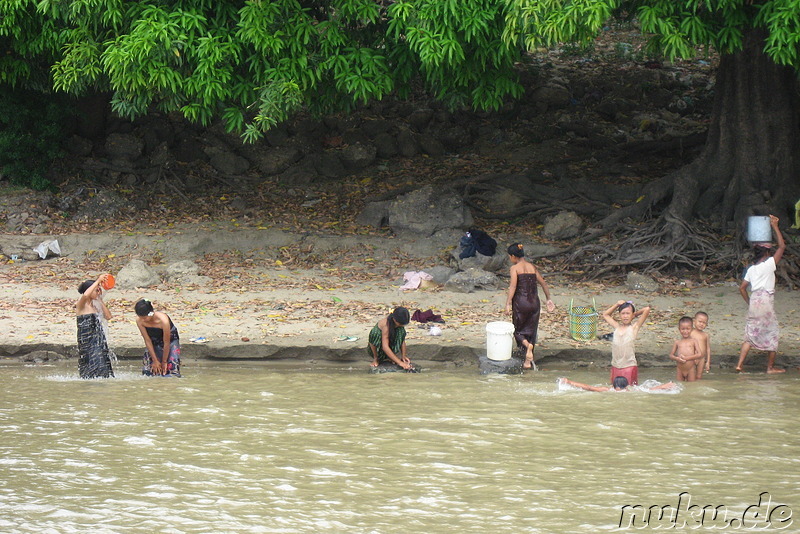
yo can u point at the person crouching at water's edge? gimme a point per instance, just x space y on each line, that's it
387 340
158 332
94 356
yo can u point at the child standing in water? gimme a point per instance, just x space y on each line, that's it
761 329
623 352
704 340
686 352
387 340
158 332
523 301
94 356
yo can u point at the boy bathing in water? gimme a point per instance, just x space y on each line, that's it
704 340
619 384
686 351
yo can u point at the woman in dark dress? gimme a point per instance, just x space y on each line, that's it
94 356
158 332
523 301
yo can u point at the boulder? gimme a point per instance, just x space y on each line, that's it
554 96
470 280
431 146
427 210
386 145
274 160
420 118
440 273
493 264
124 146
640 282
375 214
407 145
137 274
564 225
358 156
226 161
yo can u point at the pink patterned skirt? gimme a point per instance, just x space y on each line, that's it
761 329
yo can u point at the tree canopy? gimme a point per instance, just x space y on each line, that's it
254 62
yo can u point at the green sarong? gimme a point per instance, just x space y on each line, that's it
395 344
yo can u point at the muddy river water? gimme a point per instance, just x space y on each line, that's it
248 447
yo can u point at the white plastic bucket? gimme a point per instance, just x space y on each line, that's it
759 229
499 340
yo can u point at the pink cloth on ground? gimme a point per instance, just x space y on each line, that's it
413 279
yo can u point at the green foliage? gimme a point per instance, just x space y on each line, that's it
30 135
253 63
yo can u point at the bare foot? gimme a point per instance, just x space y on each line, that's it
739 369
528 359
373 363
773 371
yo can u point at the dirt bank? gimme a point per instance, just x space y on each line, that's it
257 306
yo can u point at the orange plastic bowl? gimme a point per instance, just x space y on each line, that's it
109 282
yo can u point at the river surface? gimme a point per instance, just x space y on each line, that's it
248 447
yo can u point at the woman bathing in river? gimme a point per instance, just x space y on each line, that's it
387 340
94 356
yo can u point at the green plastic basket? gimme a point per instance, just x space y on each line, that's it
583 321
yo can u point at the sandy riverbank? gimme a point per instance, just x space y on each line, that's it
313 315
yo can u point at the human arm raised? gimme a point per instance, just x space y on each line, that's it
773 221
641 317
608 314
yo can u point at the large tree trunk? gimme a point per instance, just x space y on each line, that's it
750 165
751 161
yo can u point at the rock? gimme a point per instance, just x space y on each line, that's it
124 146
563 225
188 150
372 128
137 274
386 145
493 264
77 145
181 269
303 173
226 161
511 366
40 356
406 144
358 156
470 280
431 146
455 138
440 273
329 165
552 95
375 214
273 161
428 209
420 118
640 282
104 205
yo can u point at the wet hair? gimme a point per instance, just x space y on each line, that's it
701 313
399 314
685 319
516 250
85 286
620 382
627 304
143 308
